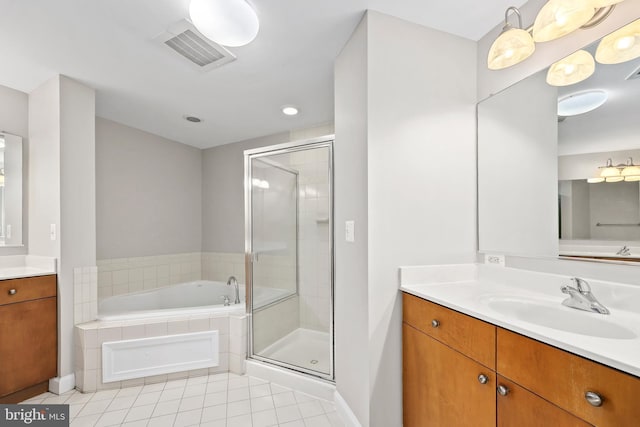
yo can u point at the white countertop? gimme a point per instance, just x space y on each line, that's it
20 266
469 288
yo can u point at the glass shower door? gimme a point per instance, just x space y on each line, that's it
289 257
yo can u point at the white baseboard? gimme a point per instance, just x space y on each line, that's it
59 385
344 411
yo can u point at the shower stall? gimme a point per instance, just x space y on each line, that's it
289 255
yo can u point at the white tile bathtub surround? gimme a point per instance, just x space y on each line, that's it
218 266
85 294
90 336
213 400
470 297
126 275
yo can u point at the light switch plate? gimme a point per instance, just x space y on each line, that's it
349 231
52 232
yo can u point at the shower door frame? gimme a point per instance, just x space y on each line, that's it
289 147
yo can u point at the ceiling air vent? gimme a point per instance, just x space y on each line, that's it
634 75
202 53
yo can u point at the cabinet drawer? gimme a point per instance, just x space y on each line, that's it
563 379
27 288
472 337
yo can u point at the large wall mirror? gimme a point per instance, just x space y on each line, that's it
10 190
556 166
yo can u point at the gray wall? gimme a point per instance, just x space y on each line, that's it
149 193
401 123
223 193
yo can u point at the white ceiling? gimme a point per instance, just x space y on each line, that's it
108 45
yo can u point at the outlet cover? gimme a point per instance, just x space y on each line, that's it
492 259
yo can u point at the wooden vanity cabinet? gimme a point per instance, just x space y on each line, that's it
28 337
528 384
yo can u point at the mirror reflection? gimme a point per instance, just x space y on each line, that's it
561 178
10 190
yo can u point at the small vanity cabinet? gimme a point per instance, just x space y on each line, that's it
28 337
461 371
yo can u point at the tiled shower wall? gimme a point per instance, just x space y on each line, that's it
85 294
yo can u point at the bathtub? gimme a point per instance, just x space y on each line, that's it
201 296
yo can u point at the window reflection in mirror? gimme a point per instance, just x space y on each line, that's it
10 190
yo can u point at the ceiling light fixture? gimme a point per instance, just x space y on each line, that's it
581 102
512 46
558 18
290 110
231 23
621 172
621 45
574 68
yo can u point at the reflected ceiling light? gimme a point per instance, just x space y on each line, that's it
581 102
512 46
290 110
227 22
574 68
621 45
558 18
260 183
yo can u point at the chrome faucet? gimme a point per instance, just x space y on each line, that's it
233 280
581 297
624 251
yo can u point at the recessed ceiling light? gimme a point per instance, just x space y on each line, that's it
193 119
290 110
581 102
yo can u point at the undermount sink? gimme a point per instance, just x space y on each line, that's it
547 314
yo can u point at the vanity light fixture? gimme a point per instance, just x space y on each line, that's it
622 172
581 102
231 23
558 18
621 45
574 68
512 46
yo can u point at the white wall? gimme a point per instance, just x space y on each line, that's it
405 105
14 119
351 272
517 170
149 193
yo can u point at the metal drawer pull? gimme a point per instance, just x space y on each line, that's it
503 390
483 379
594 399
12 292
435 323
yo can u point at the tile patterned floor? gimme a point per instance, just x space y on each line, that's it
223 400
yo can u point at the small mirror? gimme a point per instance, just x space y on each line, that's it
10 190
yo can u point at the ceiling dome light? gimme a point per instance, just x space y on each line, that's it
558 18
574 68
581 102
621 45
227 22
290 110
512 46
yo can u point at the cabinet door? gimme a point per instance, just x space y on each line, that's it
28 344
441 386
519 407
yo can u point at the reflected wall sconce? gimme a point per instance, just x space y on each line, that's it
227 22
556 19
622 172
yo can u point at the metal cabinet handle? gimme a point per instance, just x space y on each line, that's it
12 291
483 379
503 390
593 398
435 323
